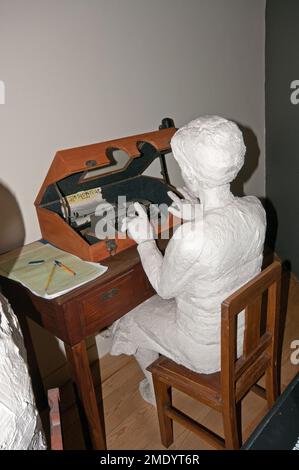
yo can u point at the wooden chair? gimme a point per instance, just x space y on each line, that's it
55 423
224 390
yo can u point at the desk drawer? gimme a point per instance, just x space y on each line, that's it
108 303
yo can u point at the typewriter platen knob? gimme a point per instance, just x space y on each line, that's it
166 123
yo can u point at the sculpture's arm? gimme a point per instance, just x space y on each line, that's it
170 274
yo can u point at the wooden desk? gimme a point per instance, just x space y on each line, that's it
84 312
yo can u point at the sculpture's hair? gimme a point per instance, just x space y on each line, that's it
211 148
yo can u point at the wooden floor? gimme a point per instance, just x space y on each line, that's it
132 424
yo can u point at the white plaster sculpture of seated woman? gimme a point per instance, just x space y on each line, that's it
216 250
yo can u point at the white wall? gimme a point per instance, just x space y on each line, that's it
83 71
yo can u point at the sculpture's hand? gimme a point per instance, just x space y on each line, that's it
186 209
138 226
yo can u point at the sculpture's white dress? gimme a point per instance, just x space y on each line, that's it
204 263
20 426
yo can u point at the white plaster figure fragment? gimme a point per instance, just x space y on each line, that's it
19 422
216 250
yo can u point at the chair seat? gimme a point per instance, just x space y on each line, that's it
206 387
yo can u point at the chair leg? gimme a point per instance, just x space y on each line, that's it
232 426
272 385
163 400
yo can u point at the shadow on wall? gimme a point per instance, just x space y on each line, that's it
237 186
12 229
250 163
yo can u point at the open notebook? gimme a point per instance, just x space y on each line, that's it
16 266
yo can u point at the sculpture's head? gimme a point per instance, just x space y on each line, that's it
209 150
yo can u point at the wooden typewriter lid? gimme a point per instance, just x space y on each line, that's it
90 157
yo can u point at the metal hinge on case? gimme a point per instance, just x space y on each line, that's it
111 246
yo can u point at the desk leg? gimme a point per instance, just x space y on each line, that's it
80 369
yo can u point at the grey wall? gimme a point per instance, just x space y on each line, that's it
282 126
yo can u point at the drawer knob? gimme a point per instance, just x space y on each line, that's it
109 293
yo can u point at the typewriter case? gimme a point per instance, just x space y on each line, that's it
93 166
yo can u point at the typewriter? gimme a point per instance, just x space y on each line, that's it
89 190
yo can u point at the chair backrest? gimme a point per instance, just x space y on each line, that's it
259 349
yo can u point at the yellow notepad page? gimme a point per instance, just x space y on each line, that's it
15 265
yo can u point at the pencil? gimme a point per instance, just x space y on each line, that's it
50 277
63 266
